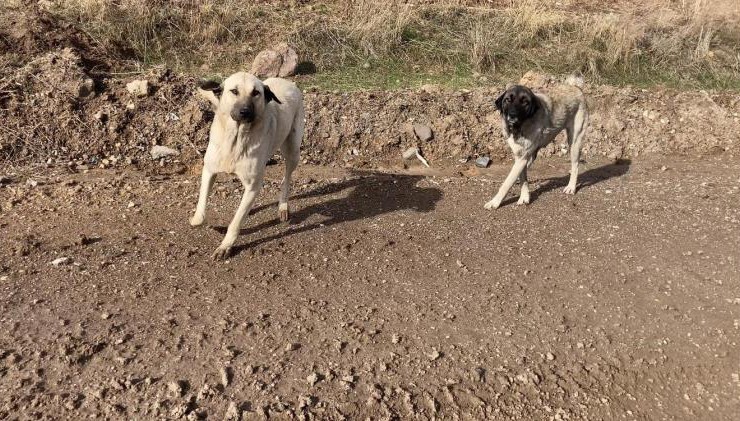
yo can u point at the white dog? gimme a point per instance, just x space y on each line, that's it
252 120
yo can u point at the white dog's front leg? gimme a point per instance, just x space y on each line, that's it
251 190
206 183
518 167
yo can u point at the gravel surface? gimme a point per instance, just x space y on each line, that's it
389 295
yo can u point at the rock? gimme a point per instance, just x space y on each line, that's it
266 64
138 88
177 388
292 346
225 376
101 116
290 60
279 61
435 355
313 378
105 316
395 338
159 152
86 89
550 356
232 412
483 162
423 132
61 261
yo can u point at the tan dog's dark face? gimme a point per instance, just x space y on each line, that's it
242 96
517 104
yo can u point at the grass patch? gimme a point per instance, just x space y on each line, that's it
689 44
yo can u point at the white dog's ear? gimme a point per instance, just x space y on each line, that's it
270 96
210 90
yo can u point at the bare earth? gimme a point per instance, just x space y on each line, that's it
388 296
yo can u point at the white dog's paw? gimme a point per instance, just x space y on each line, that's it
283 212
221 253
493 204
523 200
197 220
569 190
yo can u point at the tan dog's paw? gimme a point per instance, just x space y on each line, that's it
569 190
283 212
221 253
493 204
197 220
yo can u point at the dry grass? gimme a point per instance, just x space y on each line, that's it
682 42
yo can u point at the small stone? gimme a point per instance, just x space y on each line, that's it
159 152
423 132
483 162
176 388
313 378
226 376
232 412
105 316
86 88
395 338
139 88
61 261
292 346
435 355
550 356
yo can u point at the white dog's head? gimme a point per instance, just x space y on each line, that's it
242 96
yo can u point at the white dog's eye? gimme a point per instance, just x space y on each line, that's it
235 91
255 93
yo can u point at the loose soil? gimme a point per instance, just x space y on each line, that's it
391 294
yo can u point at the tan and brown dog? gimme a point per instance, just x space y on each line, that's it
533 120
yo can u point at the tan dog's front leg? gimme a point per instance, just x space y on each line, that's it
251 190
518 167
206 183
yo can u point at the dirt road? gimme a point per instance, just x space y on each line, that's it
387 296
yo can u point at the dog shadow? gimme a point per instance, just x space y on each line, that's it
372 194
585 179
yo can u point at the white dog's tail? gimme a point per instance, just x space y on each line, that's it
575 80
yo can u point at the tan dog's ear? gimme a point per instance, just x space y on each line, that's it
270 96
210 90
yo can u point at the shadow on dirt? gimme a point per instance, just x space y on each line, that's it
585 179
371 195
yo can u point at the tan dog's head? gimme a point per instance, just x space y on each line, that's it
242 96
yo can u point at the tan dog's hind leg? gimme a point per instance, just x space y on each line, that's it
206 183
291 150
252 188
575 141
519 165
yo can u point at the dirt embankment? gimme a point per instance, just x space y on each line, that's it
54 108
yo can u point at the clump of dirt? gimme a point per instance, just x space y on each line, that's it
53 107
30 30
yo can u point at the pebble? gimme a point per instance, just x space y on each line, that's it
483 162
139 88
232 412
176 388
435 355
550 356
159 152
292 346
61 261
225 376
313 378
423 132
